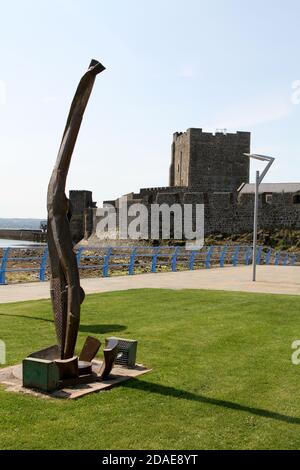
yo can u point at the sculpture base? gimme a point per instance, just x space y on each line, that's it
11 378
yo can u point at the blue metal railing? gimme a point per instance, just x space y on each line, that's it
130 259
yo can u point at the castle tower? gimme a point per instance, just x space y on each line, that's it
210 162
81 222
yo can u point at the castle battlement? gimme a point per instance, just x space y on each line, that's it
217 133
162 189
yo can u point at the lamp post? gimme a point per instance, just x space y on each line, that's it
258 181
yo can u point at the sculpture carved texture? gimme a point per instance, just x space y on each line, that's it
66 292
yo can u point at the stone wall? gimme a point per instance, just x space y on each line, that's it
227 212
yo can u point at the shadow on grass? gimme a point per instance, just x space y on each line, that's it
184 395
100 329
26 317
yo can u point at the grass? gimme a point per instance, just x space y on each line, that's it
222 374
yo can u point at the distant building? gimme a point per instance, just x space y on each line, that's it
208 169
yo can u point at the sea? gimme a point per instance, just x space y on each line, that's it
16 243
18 224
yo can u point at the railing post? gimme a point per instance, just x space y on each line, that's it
286 260
293 260
235 257
192 260
5 256
248 256
78 256
277 258
174 260
208 257
131 261
106 262
223 256
268 257
154 260
258 255
43 265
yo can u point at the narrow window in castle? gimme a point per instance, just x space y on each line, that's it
296 199
268 198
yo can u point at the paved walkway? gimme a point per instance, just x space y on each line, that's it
270 279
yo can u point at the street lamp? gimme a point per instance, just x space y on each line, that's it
258 180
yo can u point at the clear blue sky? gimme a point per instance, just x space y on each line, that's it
171 64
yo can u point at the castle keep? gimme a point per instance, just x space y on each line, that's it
208 169
209 162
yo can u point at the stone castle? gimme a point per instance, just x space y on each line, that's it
208 169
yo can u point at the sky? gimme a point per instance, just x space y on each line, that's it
170 65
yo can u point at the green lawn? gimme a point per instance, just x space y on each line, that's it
222 374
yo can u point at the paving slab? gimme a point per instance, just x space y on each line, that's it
270 279
11 380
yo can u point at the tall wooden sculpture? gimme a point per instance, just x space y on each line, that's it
66 293
57 366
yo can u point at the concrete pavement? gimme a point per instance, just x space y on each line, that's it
270 279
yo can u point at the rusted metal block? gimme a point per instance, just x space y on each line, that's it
68 368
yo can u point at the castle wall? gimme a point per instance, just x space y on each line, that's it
226 212
282 212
